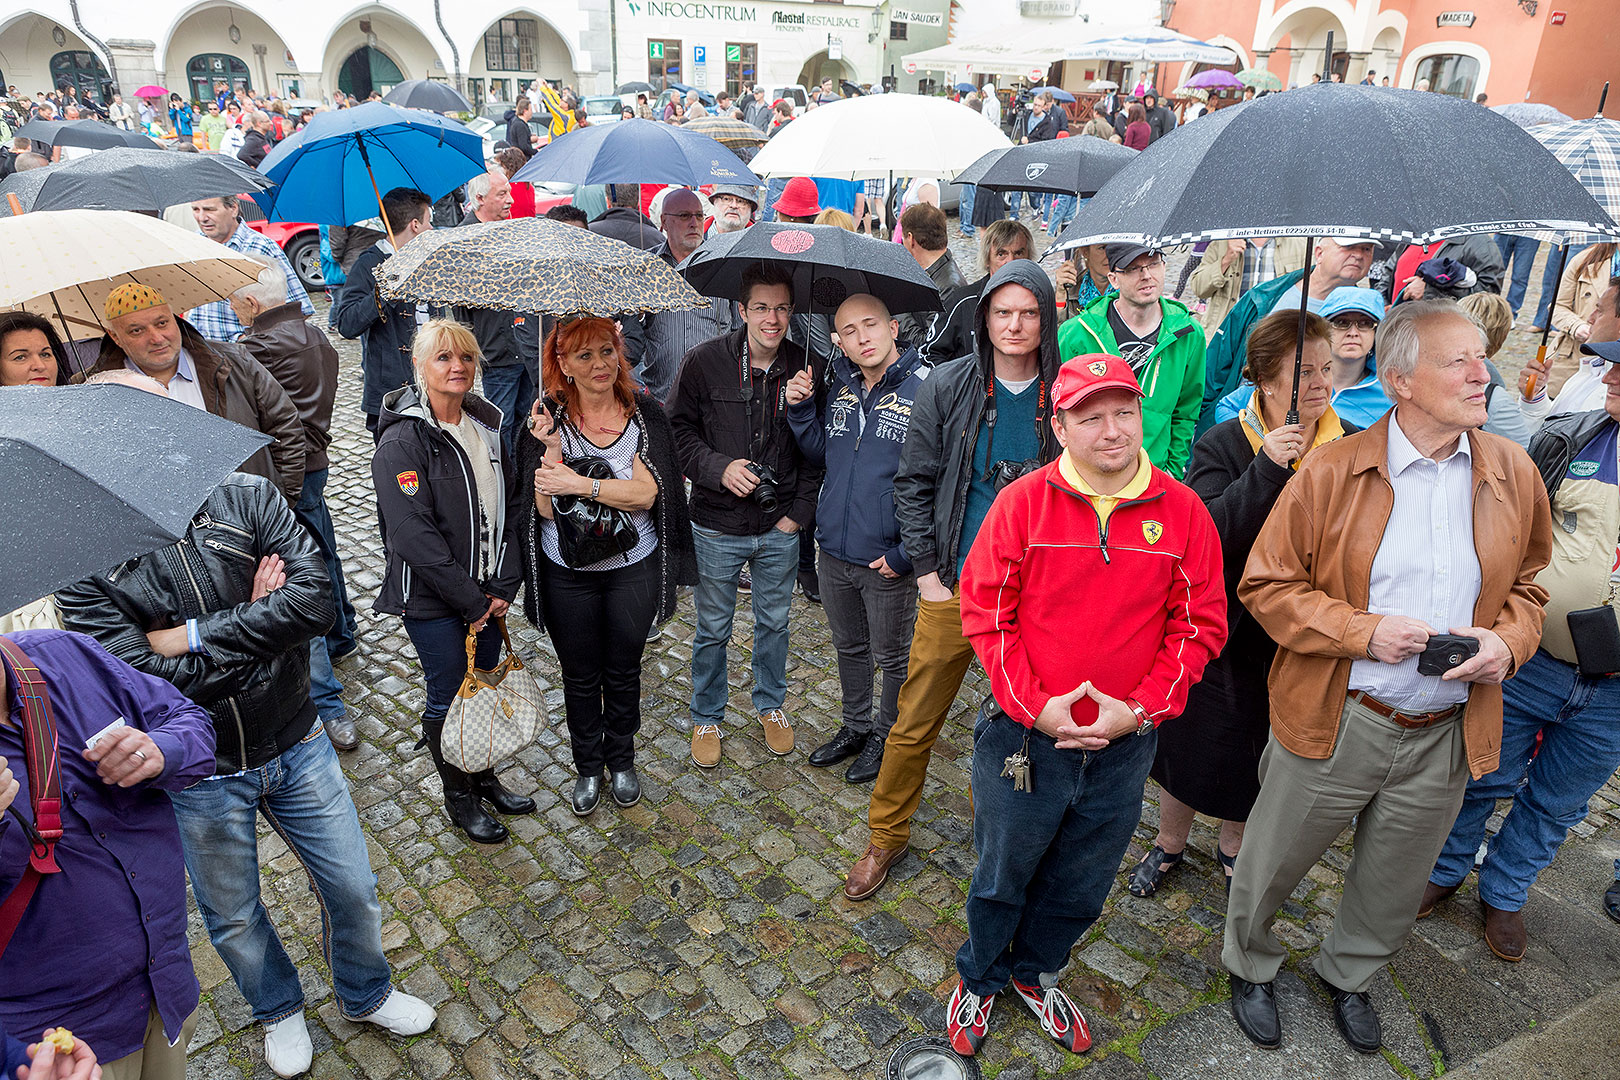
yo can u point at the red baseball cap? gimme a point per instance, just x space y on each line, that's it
798 198
1085 375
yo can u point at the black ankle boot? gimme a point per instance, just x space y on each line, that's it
487 787
460 800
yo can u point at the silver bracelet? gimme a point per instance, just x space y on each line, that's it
596 488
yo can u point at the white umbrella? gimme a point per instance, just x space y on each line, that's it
1104 85
879 136
1150 44
62 264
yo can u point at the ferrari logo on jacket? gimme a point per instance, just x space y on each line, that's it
408 482
1151 531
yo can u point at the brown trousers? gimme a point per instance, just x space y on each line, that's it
157 1060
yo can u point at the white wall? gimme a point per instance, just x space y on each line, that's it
26 48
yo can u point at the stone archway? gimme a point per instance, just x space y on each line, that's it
513 51
822 66
390 37
217 43
30 42
367 69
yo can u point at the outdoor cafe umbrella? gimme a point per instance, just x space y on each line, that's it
89 134
428 94
828 264
1150 45
732 134
1064 166
636 151
880 135
96 475
537 265
125 178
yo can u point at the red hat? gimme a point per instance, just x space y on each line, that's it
798 198
1085 375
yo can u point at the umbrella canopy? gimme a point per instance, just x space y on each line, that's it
881 135
1190 92
92 134
1151 44
1259 78
333 170
62 264
1057 92
635 88
732 134
99 474
430 95
1214 79
125 178
1103 85
1065 166
850 89
1590 150
150 91
1201 184
829 265
636 151
1529 114
965 87
534 264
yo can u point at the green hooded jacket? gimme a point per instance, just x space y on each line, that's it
1172 382
1229 348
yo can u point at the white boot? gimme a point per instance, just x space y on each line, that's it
287 1049
402 1014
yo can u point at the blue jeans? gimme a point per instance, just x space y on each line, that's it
510 388
312 513
1549 280
1578 719
964 211
1015 203
324 688
305 799
774 561
1047 856
1063 211
773 191
1518 255
441 648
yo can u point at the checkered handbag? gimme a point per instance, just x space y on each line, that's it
495 714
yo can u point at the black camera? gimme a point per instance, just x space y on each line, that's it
1444 652
765 492
1003 473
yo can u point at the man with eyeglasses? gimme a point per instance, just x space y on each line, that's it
752 491
670 335
1158 338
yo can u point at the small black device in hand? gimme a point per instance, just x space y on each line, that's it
765 493
1444 652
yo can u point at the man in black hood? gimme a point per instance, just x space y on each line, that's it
1001 395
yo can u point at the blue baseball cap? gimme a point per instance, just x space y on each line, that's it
1608 350
1369 302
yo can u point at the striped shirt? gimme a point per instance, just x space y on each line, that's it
621 457
216 321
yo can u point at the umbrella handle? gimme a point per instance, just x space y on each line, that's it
16 206
1299 337
382 211
1546 331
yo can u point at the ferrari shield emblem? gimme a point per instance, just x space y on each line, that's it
1151 531
1098 368
1033 170
407 481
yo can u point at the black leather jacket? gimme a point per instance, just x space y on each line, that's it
254 676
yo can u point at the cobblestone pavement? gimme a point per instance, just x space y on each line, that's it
703 932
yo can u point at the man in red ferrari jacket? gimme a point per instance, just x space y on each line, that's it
1094 599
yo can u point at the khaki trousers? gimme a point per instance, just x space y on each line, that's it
157 1060
1403 787
940 657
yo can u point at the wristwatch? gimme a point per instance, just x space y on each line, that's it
596 488
1143 724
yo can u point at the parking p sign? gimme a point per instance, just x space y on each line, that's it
700 55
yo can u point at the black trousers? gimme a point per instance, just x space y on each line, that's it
598 620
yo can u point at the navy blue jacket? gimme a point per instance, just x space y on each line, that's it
858 437
13 1054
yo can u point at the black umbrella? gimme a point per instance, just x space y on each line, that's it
635 88
125 178
92 134
850 89
430 95
829 264
99 474
1078 166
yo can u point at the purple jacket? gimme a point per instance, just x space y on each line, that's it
105 939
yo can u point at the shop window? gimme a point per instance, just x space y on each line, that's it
663 62
206 72
742 67
511 45
1449 73
82 70
897 31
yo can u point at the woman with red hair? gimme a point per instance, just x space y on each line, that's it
600 612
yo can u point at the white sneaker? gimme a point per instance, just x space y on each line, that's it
403 1014
287 1049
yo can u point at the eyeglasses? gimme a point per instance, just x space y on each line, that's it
781 312
1142 268
1352 324
692 216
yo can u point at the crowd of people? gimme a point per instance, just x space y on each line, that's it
1317 565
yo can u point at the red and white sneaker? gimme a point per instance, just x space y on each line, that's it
1059 1016
967 1019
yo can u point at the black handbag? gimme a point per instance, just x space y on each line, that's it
588 531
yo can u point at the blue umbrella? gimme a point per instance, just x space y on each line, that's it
703 95
1057 93
966 87
636 152
334 170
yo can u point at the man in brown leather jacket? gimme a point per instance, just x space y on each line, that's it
1421 525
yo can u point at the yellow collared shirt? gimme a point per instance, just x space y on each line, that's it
1105 504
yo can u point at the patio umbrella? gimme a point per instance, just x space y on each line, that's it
96 475
829 265
125 178
91 134
534 264
428 94
881 135
732 134
334 170
151 92
1529 114
1259 78
1065 166
62 264
1057 92
636 151
1152 45
1214 79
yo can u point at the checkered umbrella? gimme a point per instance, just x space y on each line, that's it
1590 149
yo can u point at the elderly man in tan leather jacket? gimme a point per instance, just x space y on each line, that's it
1422 525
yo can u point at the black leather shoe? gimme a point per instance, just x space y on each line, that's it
1611 901
864 769
846 744
587 793
1357 1020
625 786
488 788
340 729
467 814
1254 1007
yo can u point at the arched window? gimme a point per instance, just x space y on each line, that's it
84 72
204 73
1449 73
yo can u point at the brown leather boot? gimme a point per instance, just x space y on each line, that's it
871 871
1504 933
1432 895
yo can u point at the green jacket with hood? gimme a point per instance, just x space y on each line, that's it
1172 381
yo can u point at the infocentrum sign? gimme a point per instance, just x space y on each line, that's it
741 13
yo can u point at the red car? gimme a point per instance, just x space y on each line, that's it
300 242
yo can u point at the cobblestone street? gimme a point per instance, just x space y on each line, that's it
704 933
